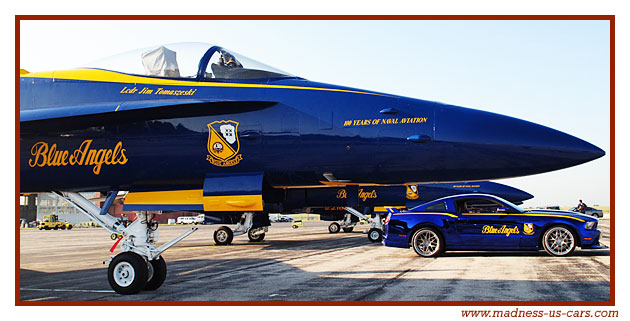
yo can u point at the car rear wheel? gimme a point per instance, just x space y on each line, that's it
559 241
427 242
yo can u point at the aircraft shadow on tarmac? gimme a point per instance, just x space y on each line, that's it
270 280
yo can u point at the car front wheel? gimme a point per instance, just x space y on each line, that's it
559 241
427 242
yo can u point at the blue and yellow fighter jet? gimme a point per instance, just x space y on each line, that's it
198 127
376 201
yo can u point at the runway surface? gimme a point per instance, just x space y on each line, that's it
308 264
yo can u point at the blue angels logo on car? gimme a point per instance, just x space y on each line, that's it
223 144
412 192
528 228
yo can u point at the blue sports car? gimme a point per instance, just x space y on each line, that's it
487 222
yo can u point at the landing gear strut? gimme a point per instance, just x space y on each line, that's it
375 234
140 266
224 235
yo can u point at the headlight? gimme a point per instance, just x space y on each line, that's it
589 225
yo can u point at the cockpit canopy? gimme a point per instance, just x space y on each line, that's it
199 61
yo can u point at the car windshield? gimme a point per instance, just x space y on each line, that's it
182 60
492 199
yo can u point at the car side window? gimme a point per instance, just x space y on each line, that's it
437 207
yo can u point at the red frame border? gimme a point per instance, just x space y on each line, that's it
610 18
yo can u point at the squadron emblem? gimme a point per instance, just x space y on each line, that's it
412 192
223 144
528 228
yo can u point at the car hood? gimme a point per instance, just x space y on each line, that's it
565 213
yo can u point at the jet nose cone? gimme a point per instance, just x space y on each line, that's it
501 146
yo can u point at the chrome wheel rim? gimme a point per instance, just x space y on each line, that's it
124 274
559 241
334 228
426 242
222 236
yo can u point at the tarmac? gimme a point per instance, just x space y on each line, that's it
308 264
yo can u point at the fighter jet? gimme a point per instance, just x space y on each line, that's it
199 127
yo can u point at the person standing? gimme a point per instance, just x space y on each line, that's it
581 207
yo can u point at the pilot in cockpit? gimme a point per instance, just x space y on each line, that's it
227 60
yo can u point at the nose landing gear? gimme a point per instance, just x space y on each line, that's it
140 266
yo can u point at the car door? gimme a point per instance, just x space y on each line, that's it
485 225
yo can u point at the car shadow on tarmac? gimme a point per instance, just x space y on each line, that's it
261 279
521 253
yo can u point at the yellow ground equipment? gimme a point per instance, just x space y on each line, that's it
297 223
52 222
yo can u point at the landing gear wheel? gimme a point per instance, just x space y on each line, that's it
257 238
334 228
223 235
127 273
375 235
427 242
157 274
348 229
558 241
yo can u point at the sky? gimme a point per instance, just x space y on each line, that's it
555 73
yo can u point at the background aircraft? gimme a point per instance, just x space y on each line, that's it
196 127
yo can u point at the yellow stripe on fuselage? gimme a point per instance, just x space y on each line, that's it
195 197
115 77
385 208
183 197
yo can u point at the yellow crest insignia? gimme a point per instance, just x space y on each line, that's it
412 192
223 144
528 228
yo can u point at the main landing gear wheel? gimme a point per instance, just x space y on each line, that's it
157 274
427 242
255 238
334 228
223 236
558 241
375 235
348 229
128 273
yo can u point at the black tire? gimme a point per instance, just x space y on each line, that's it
375 235
158 276
127 273
56 227
556 236
46 227
433 244
63 227
114 236
334 227
223 236
70 227
348 229
257 238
